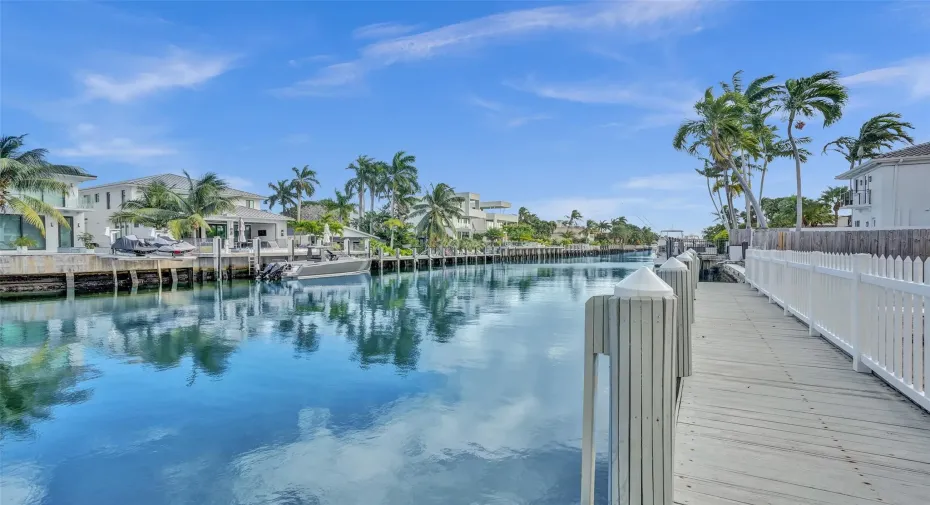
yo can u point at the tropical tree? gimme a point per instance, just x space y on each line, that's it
835 197
806 97
573 218
393 224
782 212
304 184
282 192
181 212
720 130
590 228
710 172
341 206
438 207
494 235
879 132
400 178
359 183
24 172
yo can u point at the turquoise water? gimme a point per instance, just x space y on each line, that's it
457 386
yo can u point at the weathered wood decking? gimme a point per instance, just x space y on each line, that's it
774 416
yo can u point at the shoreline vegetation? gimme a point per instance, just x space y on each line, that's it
736 134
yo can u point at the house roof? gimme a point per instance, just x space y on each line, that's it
250 214
171 180
86 176
915 151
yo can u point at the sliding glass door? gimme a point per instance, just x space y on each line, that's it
66 233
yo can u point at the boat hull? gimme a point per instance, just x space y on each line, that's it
328 269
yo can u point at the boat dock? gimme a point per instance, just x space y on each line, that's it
440 257
772 415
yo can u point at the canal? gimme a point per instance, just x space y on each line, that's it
455 386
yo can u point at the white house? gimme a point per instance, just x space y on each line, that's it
105 199
478 216
57 238
892 189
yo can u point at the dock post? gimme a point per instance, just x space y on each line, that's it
257 252
697 265
69 281
158 264
415 260
174 276
115 279
217 257
134 277
677 275
689 262
636 328
290 249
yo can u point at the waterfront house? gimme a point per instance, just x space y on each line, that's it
105 199
57 238
480 216
891 190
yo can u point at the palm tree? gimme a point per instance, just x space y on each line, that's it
181 212
400 178
720 130
282 192
835 197
805 97
358 184
377 181
879 132
439 206
29 172
573 218
589 227
303 184
341 206
710 172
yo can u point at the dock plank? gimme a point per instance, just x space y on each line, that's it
774 416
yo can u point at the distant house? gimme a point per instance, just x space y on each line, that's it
105 199
890 190
57 238
480 216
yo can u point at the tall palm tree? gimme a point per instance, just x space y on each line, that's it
304 184
590 227
282 192
720 129
358 184
879 132
29 172
341 206
400 178
439 207
182 212
377 181
803 98
710 172
835 197
573 217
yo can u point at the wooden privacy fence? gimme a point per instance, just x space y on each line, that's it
911 242
873 307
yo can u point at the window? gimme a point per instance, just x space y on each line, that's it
122 196
96 197
108 199
857 223
870 178
251 204
866 224
12 226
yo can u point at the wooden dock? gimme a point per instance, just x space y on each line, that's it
774 416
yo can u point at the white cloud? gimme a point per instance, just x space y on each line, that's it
672 97
485 104
179 69
522 120
299 62
237 182
665 182
296 138
913 74
450 38
382 30
91 142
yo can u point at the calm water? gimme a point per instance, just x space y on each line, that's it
459 386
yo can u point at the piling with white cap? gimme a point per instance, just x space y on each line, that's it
676 274
637 328
690 262
697 267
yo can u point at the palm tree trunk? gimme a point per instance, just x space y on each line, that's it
298 205
797 168
745 166
765 169
729 194
716 208
747 193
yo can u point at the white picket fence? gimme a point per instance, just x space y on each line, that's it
874 308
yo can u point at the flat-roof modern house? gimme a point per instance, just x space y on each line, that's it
57 238
480 216
891 190
105 199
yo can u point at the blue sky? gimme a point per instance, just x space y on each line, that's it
550 105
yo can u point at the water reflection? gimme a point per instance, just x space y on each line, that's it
456 385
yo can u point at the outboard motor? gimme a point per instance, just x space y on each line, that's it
264 273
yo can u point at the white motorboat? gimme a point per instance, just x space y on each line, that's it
319 264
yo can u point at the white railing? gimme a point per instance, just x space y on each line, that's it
874 308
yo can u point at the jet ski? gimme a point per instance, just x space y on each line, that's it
131 245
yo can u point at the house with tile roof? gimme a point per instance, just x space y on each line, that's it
891 190
105 199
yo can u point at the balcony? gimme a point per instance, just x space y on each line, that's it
858 198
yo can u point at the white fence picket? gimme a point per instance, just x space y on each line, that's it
874 308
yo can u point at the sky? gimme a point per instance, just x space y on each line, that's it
553 106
